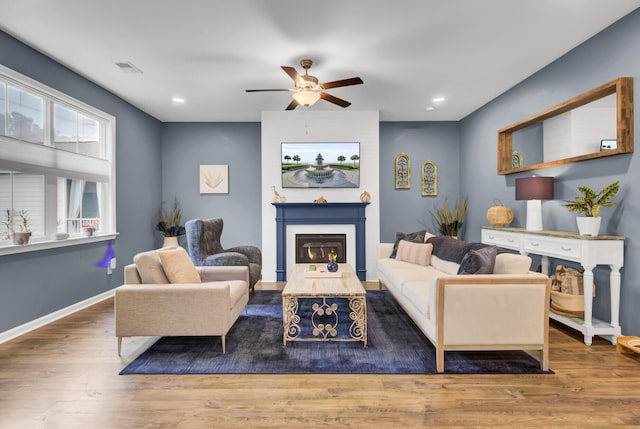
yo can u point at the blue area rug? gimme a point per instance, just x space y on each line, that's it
254 346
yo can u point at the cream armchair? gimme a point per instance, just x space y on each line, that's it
156 307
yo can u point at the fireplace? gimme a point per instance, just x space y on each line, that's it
312 248
328 218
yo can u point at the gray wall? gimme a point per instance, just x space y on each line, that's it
406 210
606 56
186 146
35 284
156 162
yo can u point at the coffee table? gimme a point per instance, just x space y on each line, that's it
327 292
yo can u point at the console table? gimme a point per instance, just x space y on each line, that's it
588 251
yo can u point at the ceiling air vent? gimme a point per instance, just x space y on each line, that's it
127 67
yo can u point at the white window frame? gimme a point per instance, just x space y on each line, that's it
51 162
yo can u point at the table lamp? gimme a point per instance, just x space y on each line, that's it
534 189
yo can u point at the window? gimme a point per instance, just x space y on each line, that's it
57 162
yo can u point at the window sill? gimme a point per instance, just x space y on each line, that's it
53 244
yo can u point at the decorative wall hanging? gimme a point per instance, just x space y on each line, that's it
214 179
516 159
403 171
429 179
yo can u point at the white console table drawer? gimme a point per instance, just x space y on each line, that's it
570 250
501 239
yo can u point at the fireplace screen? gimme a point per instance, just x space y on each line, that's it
311 248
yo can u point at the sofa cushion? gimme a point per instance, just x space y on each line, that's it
444 266
399 272
414 237
149 268
417 293
511 263
415 253
479 261
178 266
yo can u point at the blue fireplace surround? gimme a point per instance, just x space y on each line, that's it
320 214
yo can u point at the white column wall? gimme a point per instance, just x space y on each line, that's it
304 125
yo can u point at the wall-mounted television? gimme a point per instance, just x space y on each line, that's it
320 165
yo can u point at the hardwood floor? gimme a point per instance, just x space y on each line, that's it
65 375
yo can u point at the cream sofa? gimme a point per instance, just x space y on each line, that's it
505 310
148 304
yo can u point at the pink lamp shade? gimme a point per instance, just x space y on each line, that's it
534 189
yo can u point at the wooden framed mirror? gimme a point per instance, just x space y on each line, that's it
594 124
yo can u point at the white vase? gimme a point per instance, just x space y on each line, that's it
170 242
588 225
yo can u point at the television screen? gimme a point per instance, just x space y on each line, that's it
320 165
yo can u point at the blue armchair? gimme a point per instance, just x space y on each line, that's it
203 244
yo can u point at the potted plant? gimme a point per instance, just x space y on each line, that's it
23 223
88 229
169 224
589 204
448 220
7 222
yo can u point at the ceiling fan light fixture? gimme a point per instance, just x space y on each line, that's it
306 98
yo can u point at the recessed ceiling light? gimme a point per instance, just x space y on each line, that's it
429 108
178 100
438 99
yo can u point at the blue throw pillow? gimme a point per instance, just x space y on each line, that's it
480 261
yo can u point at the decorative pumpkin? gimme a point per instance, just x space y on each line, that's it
499 215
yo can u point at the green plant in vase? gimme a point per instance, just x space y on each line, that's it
589 205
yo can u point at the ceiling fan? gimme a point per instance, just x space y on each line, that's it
307 89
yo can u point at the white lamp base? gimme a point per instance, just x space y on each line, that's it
534 215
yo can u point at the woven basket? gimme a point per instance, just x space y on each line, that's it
499 215
567 304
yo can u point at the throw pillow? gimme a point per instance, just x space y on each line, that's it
479 261
448 248
149 268
451 249
414 237
512 263
178 266
415 253
427 235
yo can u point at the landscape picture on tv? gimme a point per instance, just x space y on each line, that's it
320 165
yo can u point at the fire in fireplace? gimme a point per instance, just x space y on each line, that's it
312 248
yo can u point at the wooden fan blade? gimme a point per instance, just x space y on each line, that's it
293 74
265 90
335 100
292 105
343 82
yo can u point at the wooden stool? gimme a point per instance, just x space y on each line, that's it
628 344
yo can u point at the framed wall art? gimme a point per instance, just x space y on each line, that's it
429 179
403 171
516 160
214 179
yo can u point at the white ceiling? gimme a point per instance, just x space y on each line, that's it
210 51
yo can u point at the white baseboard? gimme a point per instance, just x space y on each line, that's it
45 320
